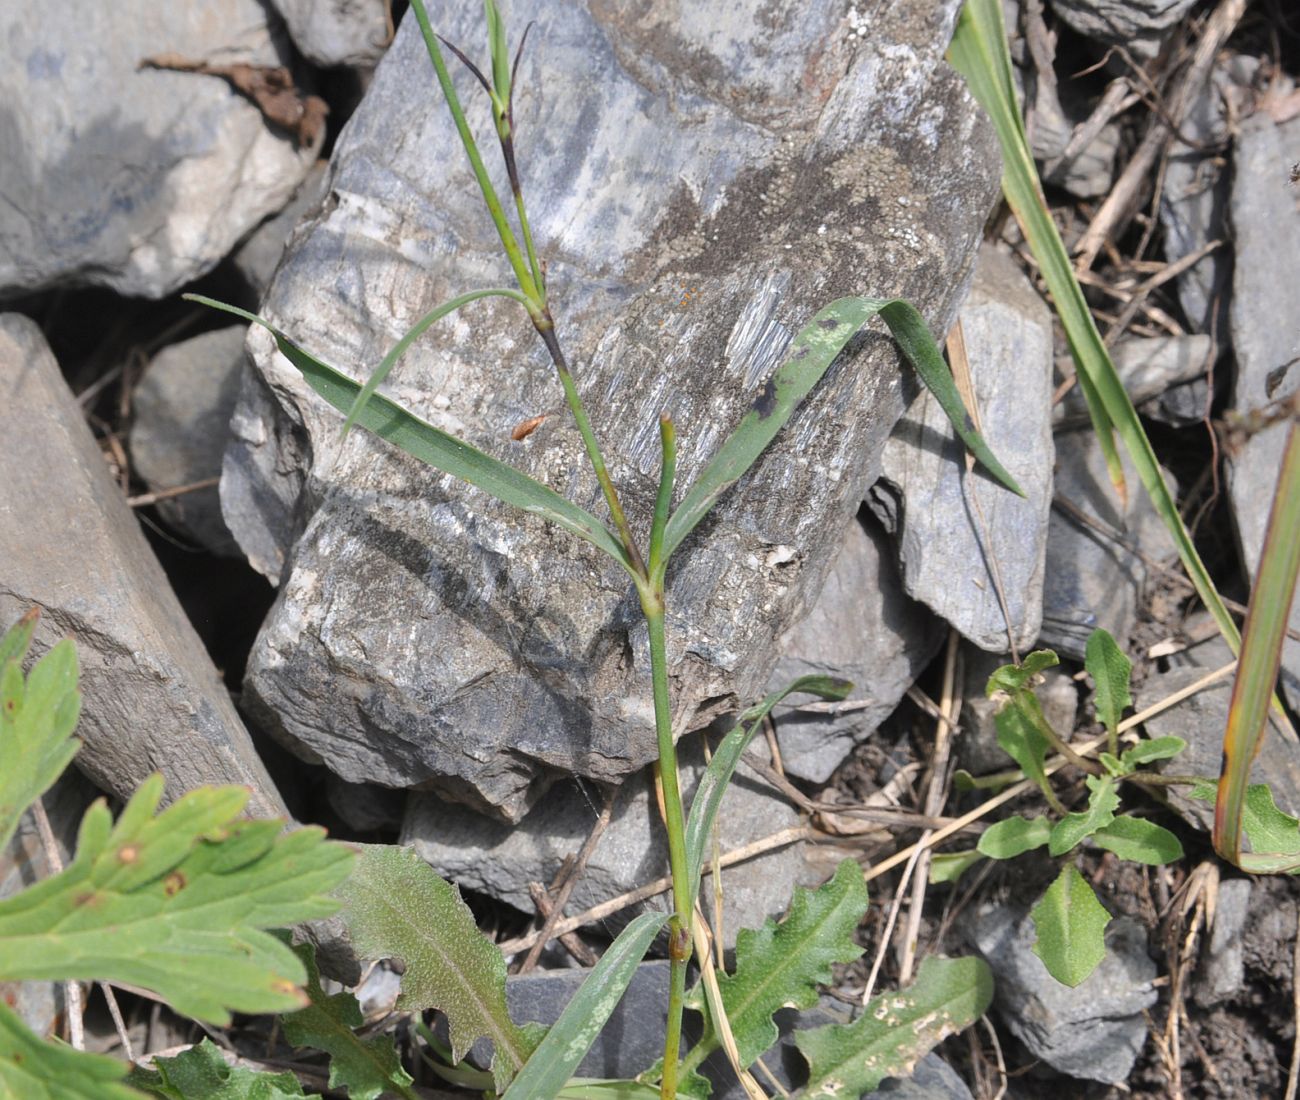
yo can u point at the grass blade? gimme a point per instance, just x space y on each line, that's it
979 52
377 377
444 452
1261 653
571 1036
811 354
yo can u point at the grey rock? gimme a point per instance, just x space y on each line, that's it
500 860
363 806
151 698
1093 1031
23 863
139 180
1056 113
260 254
1090 172
1200 721
1222 966
1194 195
960 536
1181 406
339 32
1148 366
978 747
182 412
1120 22
1265 334
680 169
862 629
633 1038
1096 571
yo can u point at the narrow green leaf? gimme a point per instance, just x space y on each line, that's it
1139 840
1071 925
397 908
201 1073
1021 739
811 354
909 332
37 717
399 349
569 1039
611 1090
1261 653
1114 765
431 445
979 53
499 51
780 965
950 866
1014 836
713 784
366 1068
31 1069
1149 751
178 903
895 1030
1016 678
1110 671
1103 801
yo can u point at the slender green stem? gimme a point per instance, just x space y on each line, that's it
679 942
546 328
663 500
526 283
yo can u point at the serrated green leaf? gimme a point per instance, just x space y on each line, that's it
780 965
950 866
201 1073
1110 671
37 717
437 448
397 908
32 1069
1071 925
1014 836
1015 678
895 1030
367 1068
1157 748
1020 737
713 784
1139 840
1113 764
1103 801
177 904
571 1036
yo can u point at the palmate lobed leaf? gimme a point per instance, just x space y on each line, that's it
781 965
367 1068
895 1029
31 1069
177 903
397 908
201 1073
38 714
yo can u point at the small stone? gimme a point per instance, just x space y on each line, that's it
182 412
864 629
1148 366
1120 22
1222 968
1096 570
133 178
260 254
947 540
151 698
354 33
500 860
1094 1031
